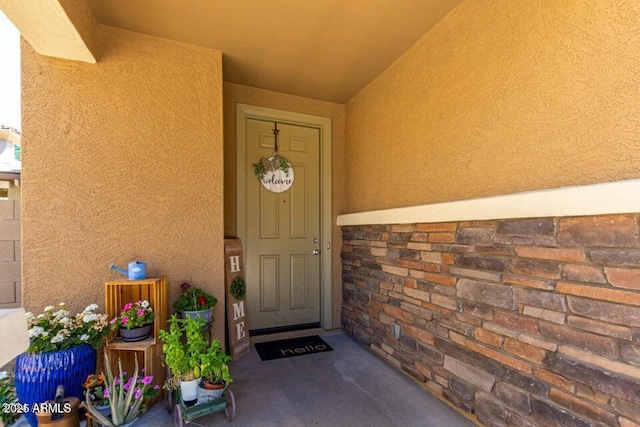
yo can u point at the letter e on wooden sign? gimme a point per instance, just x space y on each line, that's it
237 320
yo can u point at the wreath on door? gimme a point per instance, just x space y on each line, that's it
271 164
275 172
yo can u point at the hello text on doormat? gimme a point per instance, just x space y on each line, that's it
291 347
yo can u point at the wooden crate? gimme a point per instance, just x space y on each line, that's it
120 292
148 351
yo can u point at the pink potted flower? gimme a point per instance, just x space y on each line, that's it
135 321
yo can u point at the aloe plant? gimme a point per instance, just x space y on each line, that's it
124 404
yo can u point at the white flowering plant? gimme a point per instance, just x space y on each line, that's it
54 330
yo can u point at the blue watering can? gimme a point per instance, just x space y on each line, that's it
137 270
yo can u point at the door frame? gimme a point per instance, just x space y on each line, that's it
323 124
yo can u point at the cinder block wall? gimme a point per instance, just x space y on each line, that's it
520 322
9 253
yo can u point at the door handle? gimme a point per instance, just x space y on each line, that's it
316 252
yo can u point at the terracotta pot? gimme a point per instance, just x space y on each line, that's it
212 386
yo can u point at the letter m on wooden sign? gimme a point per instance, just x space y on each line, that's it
238 310
239 344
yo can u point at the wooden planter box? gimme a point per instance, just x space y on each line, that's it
149 351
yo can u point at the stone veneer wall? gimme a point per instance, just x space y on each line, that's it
10 253
520 322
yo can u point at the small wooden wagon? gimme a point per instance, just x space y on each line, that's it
186 414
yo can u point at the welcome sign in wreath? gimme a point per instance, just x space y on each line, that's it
275 172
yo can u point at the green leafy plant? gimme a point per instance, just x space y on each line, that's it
57 330
125 396
284 165
238 288
134 315
183 344
213 365
8 397
194 299
259 169
271 164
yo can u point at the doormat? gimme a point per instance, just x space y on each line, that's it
291 347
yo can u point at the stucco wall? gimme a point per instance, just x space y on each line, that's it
500 97
238 94
122 161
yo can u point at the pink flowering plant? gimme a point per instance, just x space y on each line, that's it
54 330
125 395
134 315
142 387
99 391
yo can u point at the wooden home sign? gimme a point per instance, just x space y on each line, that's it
237 320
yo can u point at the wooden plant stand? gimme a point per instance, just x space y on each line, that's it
148 351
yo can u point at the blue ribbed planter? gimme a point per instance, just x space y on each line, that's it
38 375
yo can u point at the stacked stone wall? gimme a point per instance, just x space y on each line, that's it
520 322
10 253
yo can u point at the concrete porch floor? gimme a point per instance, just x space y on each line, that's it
349 386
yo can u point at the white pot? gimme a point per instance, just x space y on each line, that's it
206 395
189 390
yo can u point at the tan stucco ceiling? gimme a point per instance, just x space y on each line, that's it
322 49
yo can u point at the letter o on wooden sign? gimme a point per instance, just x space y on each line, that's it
278 181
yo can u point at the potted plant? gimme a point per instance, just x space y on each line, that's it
194 302
98 393
62 350
125 396
95 392
182 345
135 321
214 372
8 399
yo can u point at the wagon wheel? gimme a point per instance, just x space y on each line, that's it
230 410
178 416
169 400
